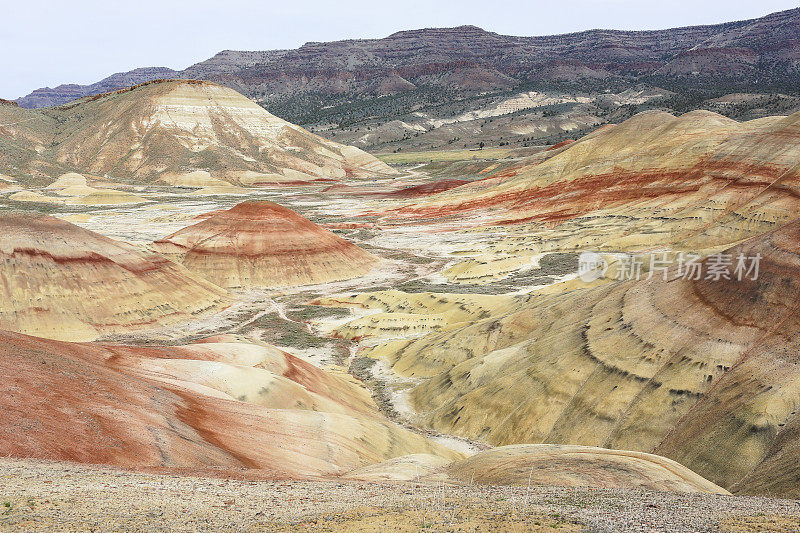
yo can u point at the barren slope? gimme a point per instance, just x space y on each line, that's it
703 372
699 180
263 244
44 496
218 405
61 281
173 128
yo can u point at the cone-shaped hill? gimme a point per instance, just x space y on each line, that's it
263 244
169 129
60 281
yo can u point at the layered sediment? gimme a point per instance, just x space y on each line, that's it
263 244
702 371
61 281
219 405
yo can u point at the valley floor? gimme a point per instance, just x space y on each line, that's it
44 496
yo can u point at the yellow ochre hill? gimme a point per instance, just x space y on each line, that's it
169 129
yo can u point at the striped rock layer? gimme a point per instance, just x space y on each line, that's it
704 372
695 181
171 128
218 405
263 244
60 281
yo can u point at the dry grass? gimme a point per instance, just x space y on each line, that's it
760 523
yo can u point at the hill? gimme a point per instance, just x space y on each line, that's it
702 371
64 282
167 129
695 181
264 244
440 88
219 404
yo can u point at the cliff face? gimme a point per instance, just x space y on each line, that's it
763 50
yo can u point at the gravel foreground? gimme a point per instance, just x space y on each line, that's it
47 496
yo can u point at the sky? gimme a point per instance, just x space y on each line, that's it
46 43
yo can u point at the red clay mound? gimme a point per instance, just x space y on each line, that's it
212 405
263 244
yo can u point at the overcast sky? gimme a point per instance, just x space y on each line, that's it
46 43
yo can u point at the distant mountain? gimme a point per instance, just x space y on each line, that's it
759 51
459 87
62 94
